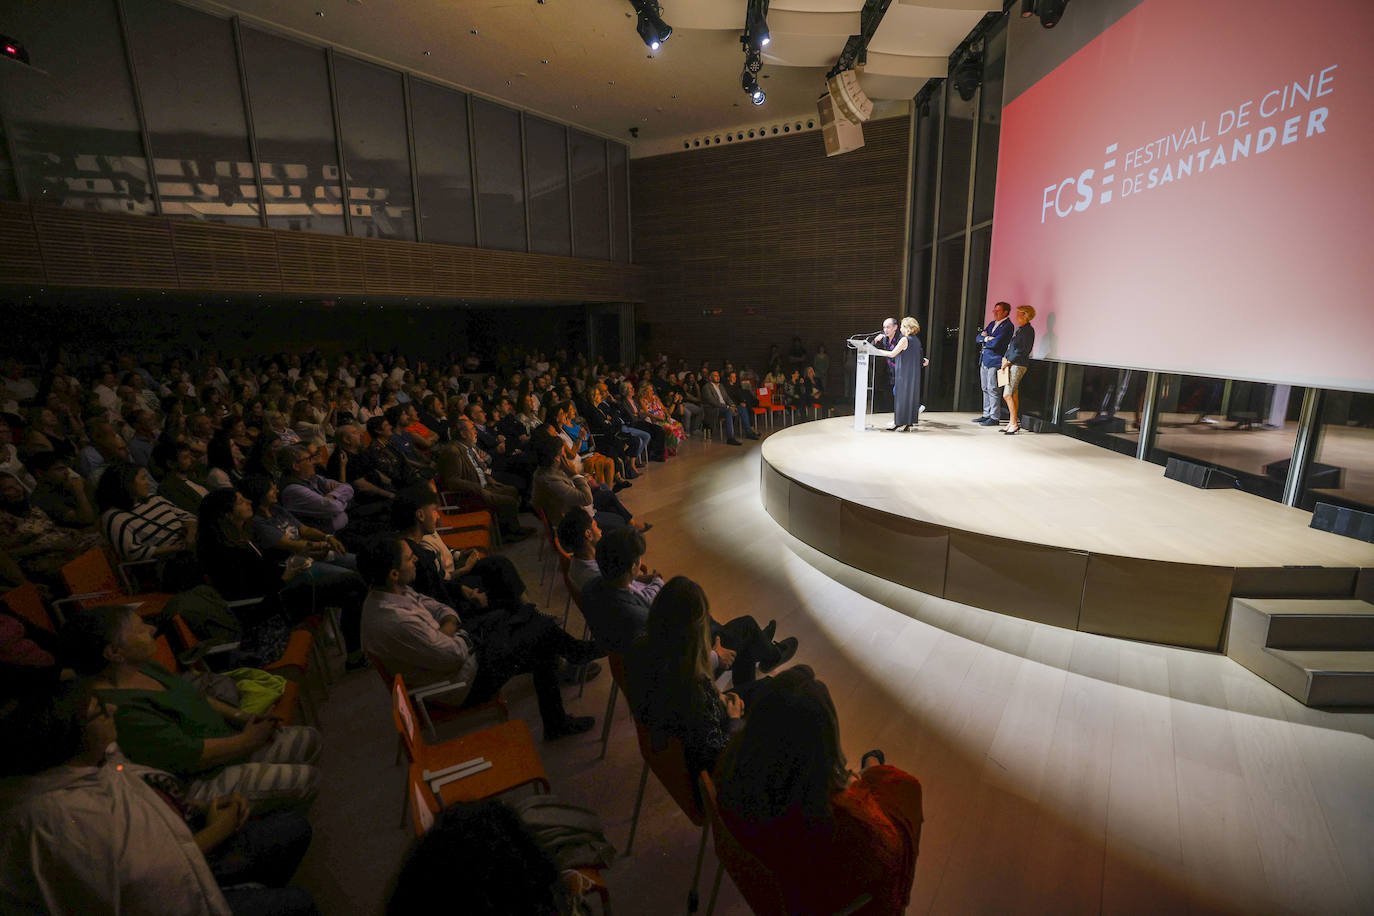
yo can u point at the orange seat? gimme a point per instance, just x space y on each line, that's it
508 747
459 520
479 538
434 712
26 602
294 663
669 764
91 582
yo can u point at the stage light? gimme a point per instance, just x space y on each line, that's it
650 25
750 84
1028 8
1051 11
13 49
967 75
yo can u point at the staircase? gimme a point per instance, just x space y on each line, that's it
1320 651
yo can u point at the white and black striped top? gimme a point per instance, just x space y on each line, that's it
153 523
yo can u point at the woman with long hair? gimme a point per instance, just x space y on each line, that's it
141 526
672 686
652 409
224 457
827 834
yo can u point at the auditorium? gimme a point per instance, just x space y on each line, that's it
776 457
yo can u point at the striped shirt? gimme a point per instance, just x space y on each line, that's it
151 524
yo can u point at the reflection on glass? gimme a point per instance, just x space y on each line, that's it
977 315
955 166
924 170
1244 428
546 160
293 121
193 106
500 178
591 228
620 203
989 122
372 123
941 339
443 163
1104 406
74 127
1343 468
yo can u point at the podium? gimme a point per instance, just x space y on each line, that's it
863 350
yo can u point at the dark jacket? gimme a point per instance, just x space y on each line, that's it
1022 342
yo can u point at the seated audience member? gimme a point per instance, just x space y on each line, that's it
28 657
224 461
138 525
721 403
559 489
174 461
10 461
313 498
466 581
463 468
88 831
607 419
61 492
578 533
423 641
616 607
672 686
509 874
383 466
412 446
238 568
566 425
651 408
635 419
34 541
827 835
46 433
352 464
106 445
146 429
163 721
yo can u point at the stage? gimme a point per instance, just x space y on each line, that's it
1044 527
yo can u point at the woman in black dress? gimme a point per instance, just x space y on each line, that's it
907 361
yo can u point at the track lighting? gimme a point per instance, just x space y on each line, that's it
750 84
1049 11
756 24
650 25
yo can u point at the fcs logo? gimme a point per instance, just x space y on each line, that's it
1080 197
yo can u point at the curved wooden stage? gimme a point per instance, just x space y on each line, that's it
1045 527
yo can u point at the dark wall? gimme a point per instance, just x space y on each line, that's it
777 237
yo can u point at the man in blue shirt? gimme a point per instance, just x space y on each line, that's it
992 343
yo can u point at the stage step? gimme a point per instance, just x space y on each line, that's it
1320 652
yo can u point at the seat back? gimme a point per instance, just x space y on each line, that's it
164 655
756 882
377 666
669 764
187 639
765 396
616 662
26 602
90 572
404 714
424 807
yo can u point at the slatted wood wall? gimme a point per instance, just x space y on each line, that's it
56 247
778 237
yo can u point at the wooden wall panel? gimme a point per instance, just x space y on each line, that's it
53 246
780 238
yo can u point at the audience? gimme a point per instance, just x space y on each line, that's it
829 836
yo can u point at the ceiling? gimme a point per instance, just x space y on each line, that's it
581 61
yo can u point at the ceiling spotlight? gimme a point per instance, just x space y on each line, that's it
650 25
750 84
756 25
967 74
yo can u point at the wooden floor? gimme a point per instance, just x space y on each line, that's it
1063 772
1052 490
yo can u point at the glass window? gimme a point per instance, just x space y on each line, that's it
71 116
1244 428
941 338
372 122
500 178
924 172
989 123
591 215
188 78
443 162
1343 460
1103 406
620 203
546 163
293 121
977 314
954 169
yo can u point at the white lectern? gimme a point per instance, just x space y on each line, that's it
862 350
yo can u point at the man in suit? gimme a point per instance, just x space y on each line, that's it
717 398
992 344
463 468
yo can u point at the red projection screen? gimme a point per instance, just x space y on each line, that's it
1193 191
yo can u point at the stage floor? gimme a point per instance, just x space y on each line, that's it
1067 532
